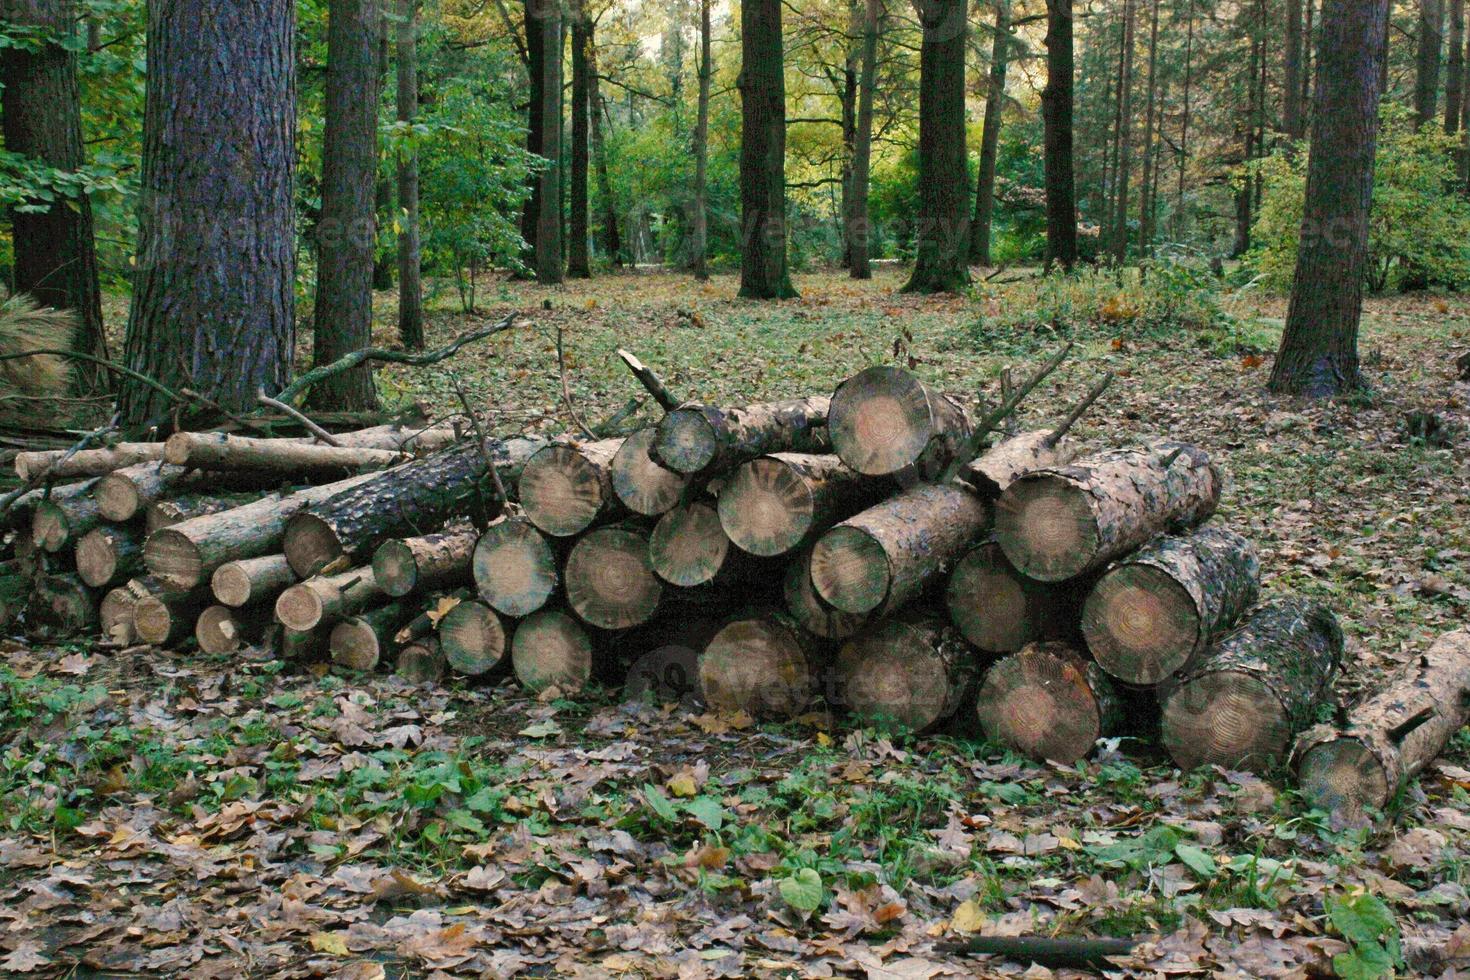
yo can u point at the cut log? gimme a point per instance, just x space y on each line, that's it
115 616
1048 702
887 555
421 662
1242 703
763 664
811 612
87 462
1391 736
64 606
253 581
401 438
667 675
913 672
514 567
566 487
432 561
300 645
1009 460
1059 523
999 610
285 458
61 522
22 513
414 498
698 439
774 504
361 642
640 482
166 513
688 547
324 600
551 649
885 420
1153 613
609 580
472 638
222 629
109 555
166 620
124 494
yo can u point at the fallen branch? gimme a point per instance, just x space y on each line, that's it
566 388
1050 951
482 441
1060 431
321 434
649 380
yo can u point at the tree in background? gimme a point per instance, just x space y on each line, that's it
1426 74
699 220
857 223
549 265
579 259
410 287
1056 110
995 95
762 84
943 234
611 241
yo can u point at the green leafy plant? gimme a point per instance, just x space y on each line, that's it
1371 931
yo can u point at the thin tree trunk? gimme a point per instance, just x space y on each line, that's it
1242 241
762 84
383 186
1056 109
1184 121
410 286
611 242
1145 196
535 125
858 227
1426 75
995 95
1454 85
1293 120
1125 133
943 240
848 98
549 267
579 263
699 222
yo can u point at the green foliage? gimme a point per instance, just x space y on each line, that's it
1371 931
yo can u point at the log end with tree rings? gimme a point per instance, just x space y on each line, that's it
1141 624
117 497
354 644
1344 777
688 547
813 613
105 555
300 607
310 544
881 420
1047 528
173 559
219 629
421 662
252 580
551 649
1046 703
472 638
908 674
758 665
50 527
562 491
156 621
514 568
993 605
1230 718
396 568
686 441
766 507
610 581
640 482
850 570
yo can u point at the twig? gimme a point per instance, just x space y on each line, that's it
8 501
1168 460
649 380
321 434
609 426
566 388
975 442
483 442
1079 411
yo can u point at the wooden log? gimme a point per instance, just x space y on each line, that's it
285 458
222 629
885 420
85 463
887 555
1153 613
22 513
912 671
552 649
565 488
1352 769
772 505
472 638
124 494
64 606
300 645
514 567
326 599
166 513
362 642
1009 460
609 579
688 547
643 486
1240 705
252 581
696 439
431 561
166 620
1048 702
1059 523
115 616
401 438
999 610
108 555
761 663
414 498
811 612
421 662
58 522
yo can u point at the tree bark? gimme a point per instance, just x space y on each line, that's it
359 642
287 459
383 184
167 619
942 243
699 219
912 672
763 664
579 262
1124 173
1056 112
535 121
1426 73
644 486
1185 109
403 566
252 581
549 265
514 568
699 439
995 97
1145 193
59 522
566 487
762 84
166 513
611 241
63 606
56 465
551 649
609 581
1293 95
1048 702
1454 83
858 225
884 420
1009 460
472 639
410 271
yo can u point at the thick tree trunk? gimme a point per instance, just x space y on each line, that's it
762 664
326 599
216 232
884 420
698 439
343 317
1294 116
1240 706
549 265
410 282
640 482
1056 113
1185 109
913 672
1319 348
579 261
252 581
699 219
55 464
1048 702
1454 83
109 555
762 84
383 186
514 568
1000 610
609 581
551 649
565 488
772 505
857 225
943 235
611 240
995 97
1426 73
1124 174
403 566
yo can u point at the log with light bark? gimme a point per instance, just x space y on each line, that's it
108 555
999 610
1049 702
1153 613
431 561
252 581
552 649
56 465
285 458
472 638
514 567
22 512
761 663
361 642
1010 459
63 605
115 616
695 439
1354 769
644 486
811 612
565 488
414 498
912 671
1240 705
222 629
421 661
167 513
164 620
887 555
59 523
326 599
1059 523
885 420
774 504
609 579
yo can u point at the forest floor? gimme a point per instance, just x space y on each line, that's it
178 815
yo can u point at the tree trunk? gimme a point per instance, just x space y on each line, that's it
913 672
1000 610
762 664
326 599
609 581
115 616
108 555
699 220
1426 73
383 185
1454 83
551 649
535 120
579 262
884 420
473 639
58 523
549 265
1048 702
514 568
1056 112
640 482
168 619
762 84
566 487
845 88
55 464
1319 348
343 317
63 606
611 241
1184 122
698 438
1292 97
403 566
252 581
40 108
770 506
995 97
1145 193
216 233
943 234
1124 173
124 493
410 283
858 226
421 661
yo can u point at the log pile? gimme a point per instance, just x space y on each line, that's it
878 551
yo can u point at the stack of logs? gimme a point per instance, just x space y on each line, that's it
875 551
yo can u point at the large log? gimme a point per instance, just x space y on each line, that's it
1153 613
430 561
695 439
1009 460
1048 702
64 606
811 612
285 458
252 581
60 522
1059 523
763 664
223 629
688 547
912 671
1241 704
414 498
565 488
609 580
552 649
1000 610
167 513
85 463
885 420
361 642
472 638
1388 739
514 567
108 555
640 482
326 599
887 555
774 504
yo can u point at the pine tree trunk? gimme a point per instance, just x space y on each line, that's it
108 555
770 506
943 235
857 224
700 439
383 185
1185 109
1293 114
1124 173
566 487
1056 112
699 220
609 581
222 629
549 265
59 464
762 84
995 96
551 649
579 261
688 547
1145 194
535 121
612 241
325 600
813 613
287 459
1426 74
1000 610
166 513
410 271
252 581
1009 460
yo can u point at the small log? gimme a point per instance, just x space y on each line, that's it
688 547
115 616
695 439
222 629
64 606
324 600
643 486
431 561
912 671
566 487
124 494
472 638
609 579
1076 952
1059 523
885 420
166 620
22 512
763 664
1048 702
811 612
1154 612
887 555
999 610
300 645
1242 703
108 555
401 438
772 505
166 513
61 522
551 649
86 462
1013 458
361 642
650 381
514 568
253 581
1391 736
421 662
285 458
